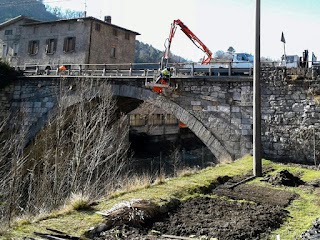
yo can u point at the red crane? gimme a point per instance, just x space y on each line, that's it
199 44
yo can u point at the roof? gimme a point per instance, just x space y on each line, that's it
17 19
77 19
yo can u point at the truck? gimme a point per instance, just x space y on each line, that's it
290 61
236 60
294 61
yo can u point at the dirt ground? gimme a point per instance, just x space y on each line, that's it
261 211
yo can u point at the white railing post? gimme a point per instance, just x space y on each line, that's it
80 70
130 70
104 70
192 69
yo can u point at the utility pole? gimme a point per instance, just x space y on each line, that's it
257 162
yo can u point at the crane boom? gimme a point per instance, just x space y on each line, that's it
199 44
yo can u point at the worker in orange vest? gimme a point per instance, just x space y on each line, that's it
62 68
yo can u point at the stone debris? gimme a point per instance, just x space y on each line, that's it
134 212
285 178
313 233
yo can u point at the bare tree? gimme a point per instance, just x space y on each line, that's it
12 160
83 149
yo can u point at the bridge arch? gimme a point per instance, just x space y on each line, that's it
210 134
193 123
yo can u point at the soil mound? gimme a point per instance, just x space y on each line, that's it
285 178
257 194
211 216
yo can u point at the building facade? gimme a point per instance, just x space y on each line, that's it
65 42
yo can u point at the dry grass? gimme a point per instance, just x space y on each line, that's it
132 184
187 172
316 99
160 179
78 202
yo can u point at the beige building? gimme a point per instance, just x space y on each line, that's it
84 40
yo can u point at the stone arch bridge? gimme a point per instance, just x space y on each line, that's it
217 109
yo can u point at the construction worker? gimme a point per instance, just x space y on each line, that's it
62 68
165 74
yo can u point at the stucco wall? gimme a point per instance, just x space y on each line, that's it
104 40
42 32
92 45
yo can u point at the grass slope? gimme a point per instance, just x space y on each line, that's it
303 211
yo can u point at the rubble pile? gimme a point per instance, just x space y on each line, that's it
285 178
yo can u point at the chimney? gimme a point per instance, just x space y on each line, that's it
107 19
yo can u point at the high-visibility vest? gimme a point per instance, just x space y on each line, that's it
165 72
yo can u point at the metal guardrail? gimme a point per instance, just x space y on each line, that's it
149 70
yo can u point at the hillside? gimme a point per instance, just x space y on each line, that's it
145 53
33 8
236 205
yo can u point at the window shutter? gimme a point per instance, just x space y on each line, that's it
47 45
65 45
73 43
29 47
55 45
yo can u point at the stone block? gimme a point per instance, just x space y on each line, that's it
197 108
49 104
236 96
195 103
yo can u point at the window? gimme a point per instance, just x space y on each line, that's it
33 47
51 45
69 44
137 120
97 27
290 59
113 52
8 32
170 119
156 119
127 36
115 32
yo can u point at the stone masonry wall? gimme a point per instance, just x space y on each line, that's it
290 118
27 102
224 106
220 107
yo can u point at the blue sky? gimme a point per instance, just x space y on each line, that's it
217 23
